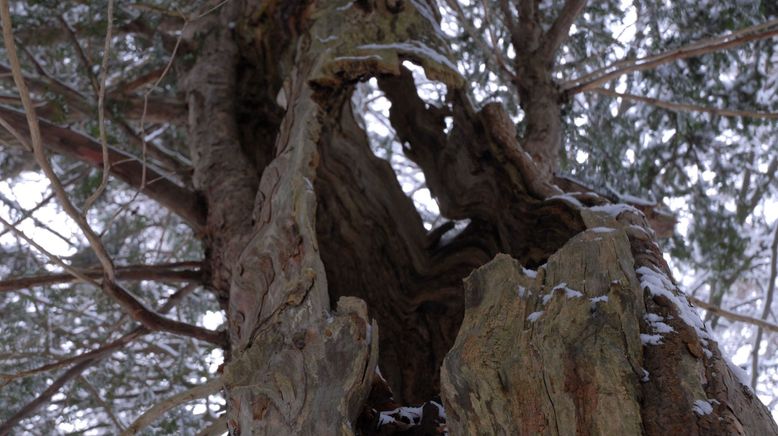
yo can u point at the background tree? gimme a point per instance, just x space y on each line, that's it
170 167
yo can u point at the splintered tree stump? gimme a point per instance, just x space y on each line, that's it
597 341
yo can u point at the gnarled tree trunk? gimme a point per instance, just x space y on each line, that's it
312 246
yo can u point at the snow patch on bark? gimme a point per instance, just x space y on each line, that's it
413 47
647 339
739 374
569 292
534 316
655 322
659 284
403 417
703 407
614 210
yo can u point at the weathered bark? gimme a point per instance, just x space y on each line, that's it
309 237
558 350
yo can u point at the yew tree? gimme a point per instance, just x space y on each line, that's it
265 164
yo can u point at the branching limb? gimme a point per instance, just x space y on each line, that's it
684 107
159 409
136 309
558 32
95 354
493 54
37 146
608 73
54 258
45 396
106 349
154 321
80 53
124 166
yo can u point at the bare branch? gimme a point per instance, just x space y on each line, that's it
154 321
733 315
685 107
493 54
82 362
217 428
106 349
95 354
101 116
37 146
172 272
124 166
80 53
139 81
45 396
159 409
768 303
608 73
558 32
96 394
56 259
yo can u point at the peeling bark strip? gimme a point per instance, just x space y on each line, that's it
558 350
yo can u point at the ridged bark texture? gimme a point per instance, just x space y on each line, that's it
597 341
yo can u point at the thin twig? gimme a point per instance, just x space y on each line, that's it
733 315
99 399
180 271
81 54
37 145
625 66
200 391
54 258
768 303
45 396
101 113
144 144
685 107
